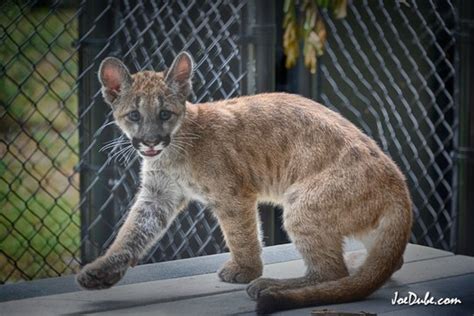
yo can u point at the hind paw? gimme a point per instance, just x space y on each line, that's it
258 286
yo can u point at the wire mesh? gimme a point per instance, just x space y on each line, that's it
39 232
150 35
388 67
48 138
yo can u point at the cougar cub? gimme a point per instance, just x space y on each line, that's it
331 179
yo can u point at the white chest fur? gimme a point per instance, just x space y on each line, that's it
177 173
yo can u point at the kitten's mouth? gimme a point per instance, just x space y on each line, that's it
150 152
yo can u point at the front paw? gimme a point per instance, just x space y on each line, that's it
234 273
100 275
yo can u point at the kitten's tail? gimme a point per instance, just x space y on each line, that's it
382 260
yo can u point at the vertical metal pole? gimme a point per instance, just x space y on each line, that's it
306 82
265 41
465 101
264 33
97 218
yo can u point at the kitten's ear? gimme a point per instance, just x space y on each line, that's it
114 77
179 76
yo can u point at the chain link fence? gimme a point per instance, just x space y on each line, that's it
148 36
39 149
388 68
63 199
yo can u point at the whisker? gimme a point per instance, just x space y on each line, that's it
176 145
123 158
193 121
173 150
114 143
185 138
183 141
188 134
129 156
121 137
114 146
107 124
120 158
120 152
178 149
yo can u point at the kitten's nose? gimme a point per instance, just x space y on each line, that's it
151 142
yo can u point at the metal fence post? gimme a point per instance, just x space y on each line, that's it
265 41
465 154
97 216
264 34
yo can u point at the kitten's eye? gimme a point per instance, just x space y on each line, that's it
134 116
165 115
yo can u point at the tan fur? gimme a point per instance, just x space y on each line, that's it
331 179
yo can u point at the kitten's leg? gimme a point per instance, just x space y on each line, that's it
319 244
147 221
238 221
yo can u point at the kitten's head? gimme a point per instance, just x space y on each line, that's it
148 106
